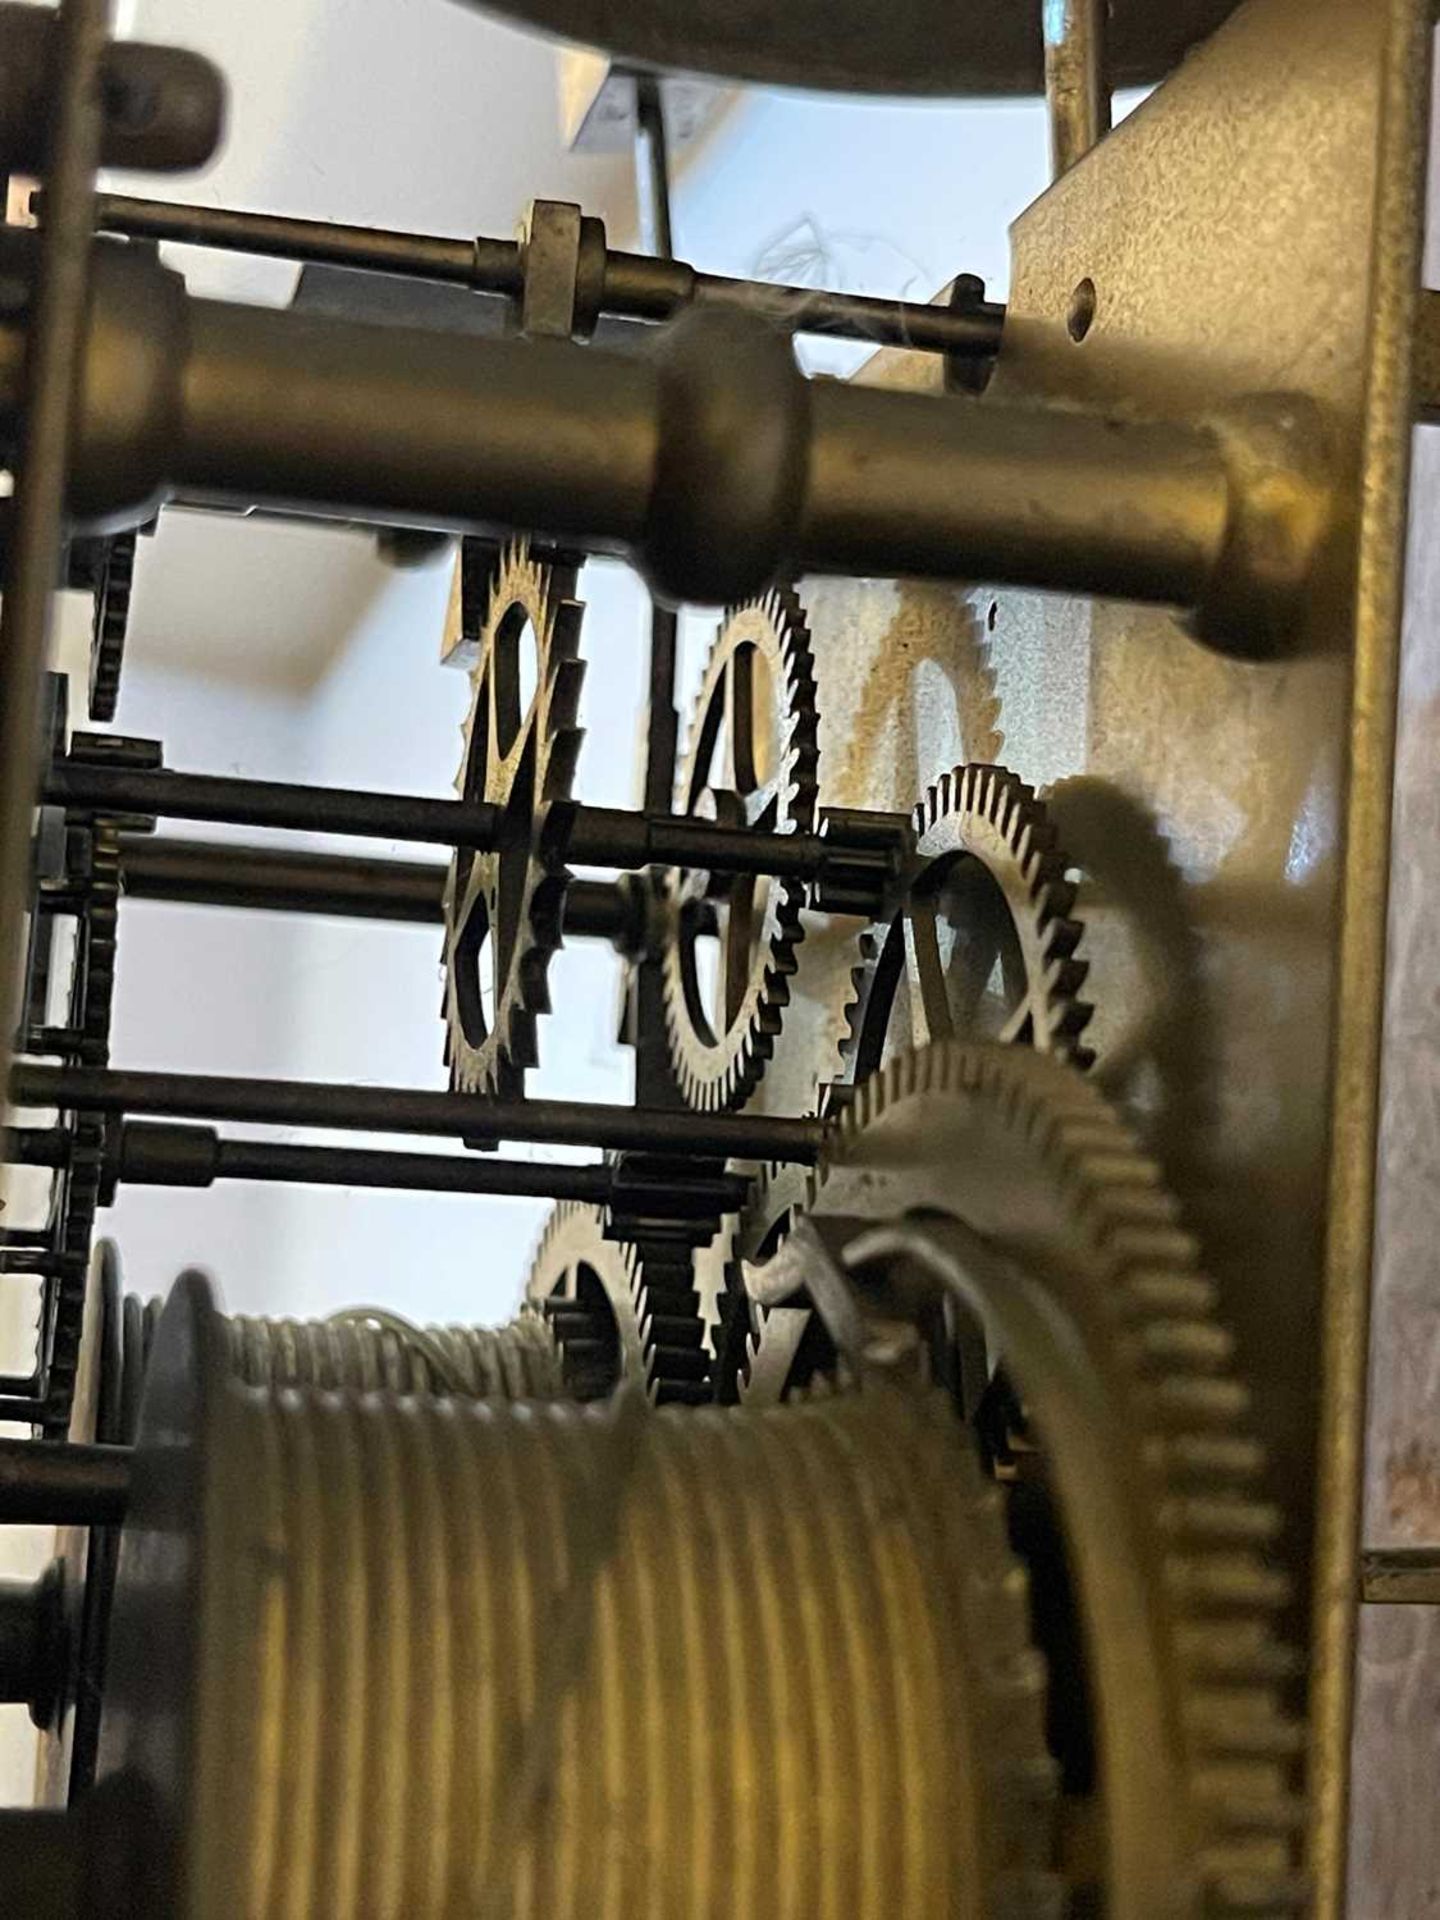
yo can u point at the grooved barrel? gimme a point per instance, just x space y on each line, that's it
368 1349
459 1656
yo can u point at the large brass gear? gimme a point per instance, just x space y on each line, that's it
989 897
503 908
753 760
1005 1174
622 1311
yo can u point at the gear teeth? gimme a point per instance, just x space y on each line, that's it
992 815
113 589
76 1187
1219 1587
496 1062
778 1191
719 1072
649 1329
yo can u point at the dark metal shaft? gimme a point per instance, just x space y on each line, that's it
652 167
1077 78
299 1103
601 836
637 286
48 406
652 194
53 1483
270 803
217 873
170 1155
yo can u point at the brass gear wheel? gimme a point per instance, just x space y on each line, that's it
989 900
503 908
753 760
620 1311
1006 1174
762 1353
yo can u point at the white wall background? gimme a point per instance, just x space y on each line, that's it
285 650
290 652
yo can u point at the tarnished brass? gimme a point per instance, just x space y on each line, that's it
1207 228
709 460
999 1174
925 46
450 1657
367 1348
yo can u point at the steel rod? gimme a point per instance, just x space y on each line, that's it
634 288
55 1483
652 167
652 192
49 404
609 836
299 1103
218 873
600 836
1400 1576
1077 78
167 1155
267 803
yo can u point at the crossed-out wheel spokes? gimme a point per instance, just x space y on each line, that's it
503 905
490 917
752 763
984 946
738 780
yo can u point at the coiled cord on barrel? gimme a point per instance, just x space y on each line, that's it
371 1347
465 1657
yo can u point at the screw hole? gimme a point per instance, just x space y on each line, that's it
992 616
1082 310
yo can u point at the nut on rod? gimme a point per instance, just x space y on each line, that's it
633 286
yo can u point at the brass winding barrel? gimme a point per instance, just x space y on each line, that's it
435 1656
371 1348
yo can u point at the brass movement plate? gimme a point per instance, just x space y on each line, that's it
1253 227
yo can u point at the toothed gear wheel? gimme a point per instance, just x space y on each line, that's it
114 578
93 865
985 944
618 1312
1064 1237
753 761
503 908
762 1354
